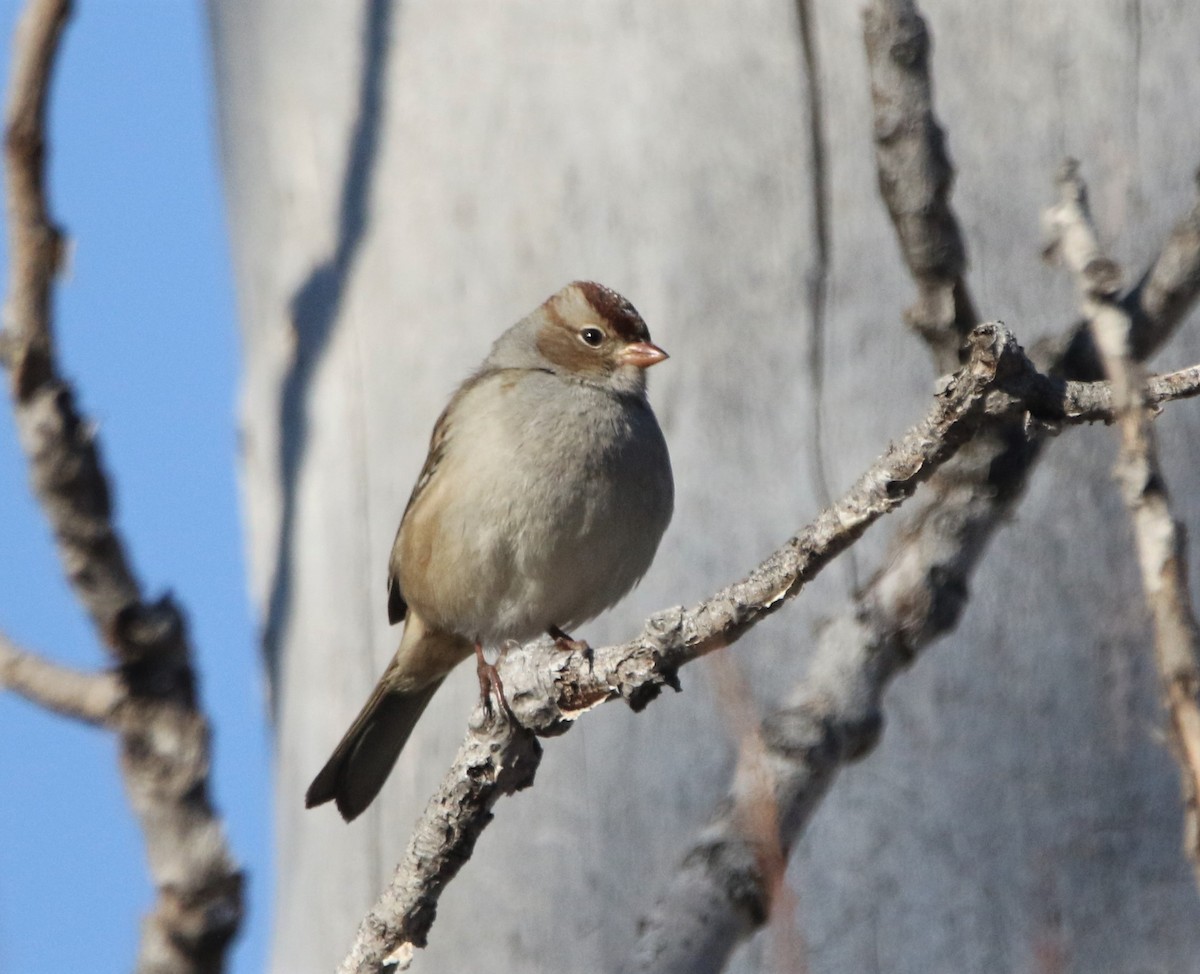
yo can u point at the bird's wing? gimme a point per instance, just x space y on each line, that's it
397 606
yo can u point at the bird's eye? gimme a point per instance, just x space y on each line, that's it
592 336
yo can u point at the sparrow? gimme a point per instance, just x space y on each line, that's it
542 501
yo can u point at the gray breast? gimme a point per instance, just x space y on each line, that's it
578 496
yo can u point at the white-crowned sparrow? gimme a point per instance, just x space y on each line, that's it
545 493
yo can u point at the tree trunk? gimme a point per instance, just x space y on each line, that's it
407 179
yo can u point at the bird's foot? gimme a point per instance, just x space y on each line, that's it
489 682
569 644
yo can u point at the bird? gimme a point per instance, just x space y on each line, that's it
542 501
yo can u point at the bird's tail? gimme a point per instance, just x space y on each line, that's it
363 760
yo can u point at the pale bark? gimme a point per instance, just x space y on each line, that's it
93 698
1159 539
1019 799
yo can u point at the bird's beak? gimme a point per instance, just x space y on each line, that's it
642 354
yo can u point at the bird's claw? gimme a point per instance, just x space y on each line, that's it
489 683
568 644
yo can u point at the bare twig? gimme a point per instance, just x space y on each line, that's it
1164 295
1159 539
496 759
90 697
164 736
1168 290
1071 239
34 241
915 176
1090 401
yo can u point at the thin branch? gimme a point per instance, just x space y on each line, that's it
1054 401
165 754
1093 401
720 894
757 812
915 176
497 758
66 471
1156 306
1158 538
34 241
93 698
1169 289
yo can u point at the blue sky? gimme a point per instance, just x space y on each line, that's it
147 331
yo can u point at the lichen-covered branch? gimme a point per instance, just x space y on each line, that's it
1158 538
165 753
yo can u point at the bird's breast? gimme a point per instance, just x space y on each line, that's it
548 508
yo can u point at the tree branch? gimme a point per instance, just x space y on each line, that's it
1168 290
915 176
1159 539
165 752
93 698
34 241
1092 401
1156 306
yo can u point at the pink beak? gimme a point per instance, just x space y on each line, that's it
642 354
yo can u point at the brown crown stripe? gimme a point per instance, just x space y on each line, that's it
615 309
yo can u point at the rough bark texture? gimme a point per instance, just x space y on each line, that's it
407 180
915 175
